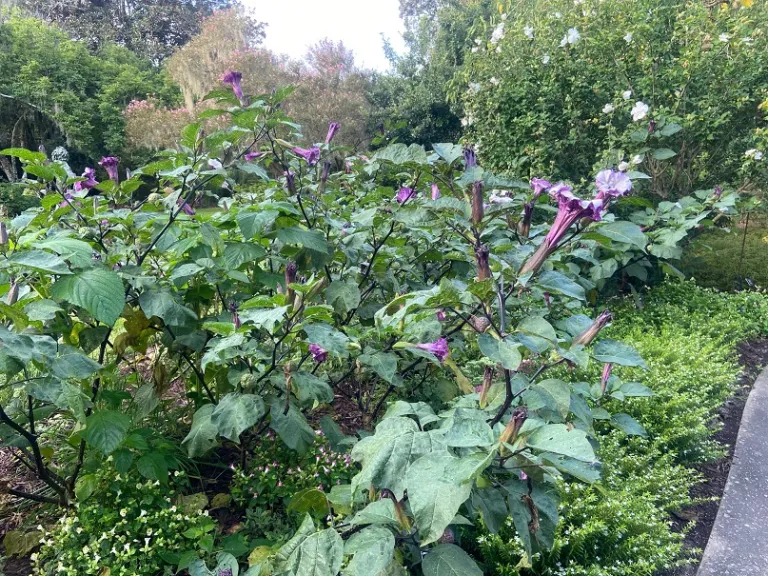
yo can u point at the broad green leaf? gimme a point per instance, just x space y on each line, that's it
85 486
266 318
615 352
559 439
632 389
629 425
625 232
343 295
23 154
255 223
42 310
106 429
556 282
379 512
448 152
308 501
536 334
467 432
20 543
328 338
292 427
373 549
98 290
235 413
310 239
383 363
311 388
663 154
288 550
153 466
202 436
449 560
238 253
585 471
162 303
500 351
435 493
670 129
73 364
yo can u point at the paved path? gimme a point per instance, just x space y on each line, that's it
738 544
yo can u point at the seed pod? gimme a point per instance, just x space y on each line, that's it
13 294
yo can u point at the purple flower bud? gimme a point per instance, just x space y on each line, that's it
438 348
718 192
234 79
326 171
290 181
651 126
539 186
3 234
250 156
586 337
478 207
523 475
435 191
333 127
470 159
612 183
110 163
606 375
440 314
225 572
311 155
404 194
13 294
214 164
185 207
319 354
90 180
547 299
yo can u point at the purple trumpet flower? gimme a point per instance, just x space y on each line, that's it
110 163
311 155
606 375
90 180
470 158
539 186
435 191
404 194
612 183
234 79
251 156
524 227
438 348
333 127
67 199
185 207
319 354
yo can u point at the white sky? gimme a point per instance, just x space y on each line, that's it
295 24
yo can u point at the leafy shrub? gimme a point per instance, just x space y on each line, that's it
686 334
125 526
14 201
552 88
311 286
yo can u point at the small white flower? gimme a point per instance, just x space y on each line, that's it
578 2
558 15
474 87
628 37
214 164
747 40
478 41
528 31
498 49
624 166
639 111
608 108
545 59
750 153
498 33
637 159
758 155
474 49
464 122
724 37
571 37
627 94
494 81
504 16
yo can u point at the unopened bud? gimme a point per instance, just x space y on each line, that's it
483 268
3 234
487 381
13 294
586 337
290 278
477 203
509 435
606 375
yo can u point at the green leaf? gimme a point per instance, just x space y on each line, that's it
373 549
19 543
449 560
123 458
85 486
318 554
235 413
615 352
635 389
448 152
328 338
500 351
467 432
379 512
310 239
292 427
238 253
663 154
202 436
629 425
106 429
253 168
40 261
670 129
435 493
98 290
559 439
308 501
265 318
73 364
343 295
626 232
255 223
561 284
153 466
23 154
383 363
536 334
162 304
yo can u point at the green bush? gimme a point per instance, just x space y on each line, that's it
686 334
546 88
133 527
13 200
713 258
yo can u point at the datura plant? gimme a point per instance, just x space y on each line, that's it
323 274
